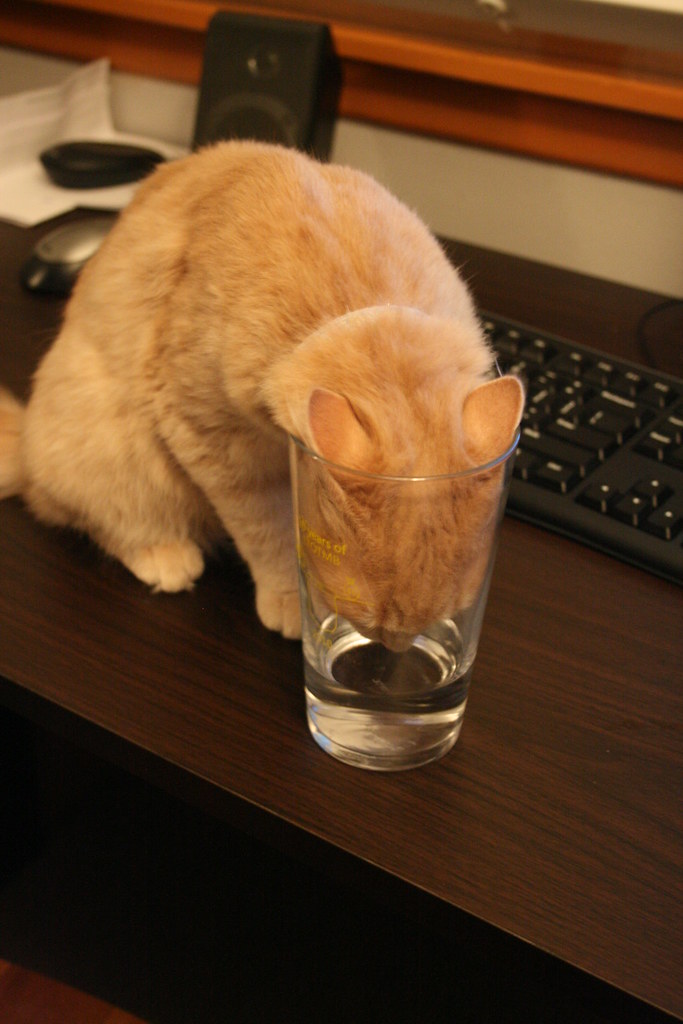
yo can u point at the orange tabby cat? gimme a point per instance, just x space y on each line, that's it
213 321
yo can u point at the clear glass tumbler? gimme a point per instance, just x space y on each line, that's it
394 574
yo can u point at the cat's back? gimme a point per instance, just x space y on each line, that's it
341 232
266 237
188 212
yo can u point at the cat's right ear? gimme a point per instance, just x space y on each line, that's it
338 435
490 416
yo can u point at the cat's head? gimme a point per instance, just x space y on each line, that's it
393 395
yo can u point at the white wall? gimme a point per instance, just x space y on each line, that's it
599 224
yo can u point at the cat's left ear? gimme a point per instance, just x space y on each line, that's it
337 433
490 416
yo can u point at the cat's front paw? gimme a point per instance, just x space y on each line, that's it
280 611
168 567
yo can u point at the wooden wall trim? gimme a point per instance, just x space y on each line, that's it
580 116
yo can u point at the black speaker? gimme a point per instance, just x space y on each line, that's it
268 79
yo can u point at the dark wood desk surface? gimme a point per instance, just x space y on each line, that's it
556 818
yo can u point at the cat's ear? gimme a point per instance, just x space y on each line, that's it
490 416
337 433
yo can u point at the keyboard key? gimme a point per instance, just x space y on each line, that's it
674 457
665 522
525 463
538 351
630 509
674 425
654 490
517 368
620 427
640 414
558 451
533 418
540 400
568 409
629 383
506 344
556 476
659 395
656 445
599 496
578 391
595 441
572 364
601 374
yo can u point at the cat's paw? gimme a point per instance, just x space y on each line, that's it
168 567
280 611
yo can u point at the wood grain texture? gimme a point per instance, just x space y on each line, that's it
556 818
587 107
30 998
594 81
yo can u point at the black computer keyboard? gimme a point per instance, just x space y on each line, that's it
600 457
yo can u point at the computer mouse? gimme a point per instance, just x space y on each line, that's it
59 256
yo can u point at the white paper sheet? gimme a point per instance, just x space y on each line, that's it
76 109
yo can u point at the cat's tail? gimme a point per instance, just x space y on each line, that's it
11 417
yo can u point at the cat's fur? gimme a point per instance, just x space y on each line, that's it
212 321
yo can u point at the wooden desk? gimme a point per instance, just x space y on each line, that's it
556 819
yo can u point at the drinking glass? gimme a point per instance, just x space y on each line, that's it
394 574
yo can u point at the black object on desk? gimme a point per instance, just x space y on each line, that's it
93 164
59 256
600 457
